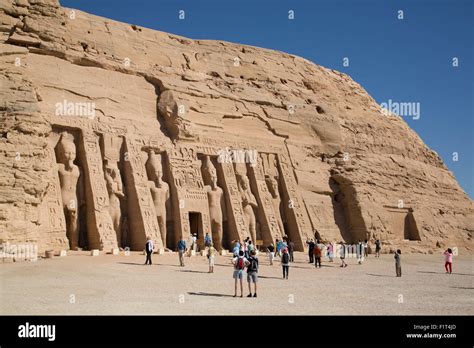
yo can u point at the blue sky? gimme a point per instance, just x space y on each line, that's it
408 60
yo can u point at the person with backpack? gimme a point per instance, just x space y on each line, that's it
271 253
317 252
181 251
285 263
252 273
149 250
240 262
211 253
310 250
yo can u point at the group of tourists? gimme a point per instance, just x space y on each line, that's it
245 256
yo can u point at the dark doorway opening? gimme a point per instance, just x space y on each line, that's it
195 224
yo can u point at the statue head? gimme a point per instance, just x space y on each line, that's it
111 168
154 165
213 179
67 148
244 182
272 185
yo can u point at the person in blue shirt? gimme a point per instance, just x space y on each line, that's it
181 251
207 240
279 245
236 249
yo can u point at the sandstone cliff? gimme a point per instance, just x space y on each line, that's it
344 168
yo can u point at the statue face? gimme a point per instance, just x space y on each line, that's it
158 173
70 152
244 184
214 180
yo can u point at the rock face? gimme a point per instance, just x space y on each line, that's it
110 133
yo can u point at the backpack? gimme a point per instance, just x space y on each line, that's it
285 258
317 251
240 263
253 267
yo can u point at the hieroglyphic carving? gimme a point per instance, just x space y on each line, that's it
185 170
56 223
100 231
142 217
265 201
235 201
300 215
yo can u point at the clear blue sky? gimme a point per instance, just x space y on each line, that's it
407 60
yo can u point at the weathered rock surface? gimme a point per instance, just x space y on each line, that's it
341 166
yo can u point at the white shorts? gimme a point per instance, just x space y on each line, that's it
211 261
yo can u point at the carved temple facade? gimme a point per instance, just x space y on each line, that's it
118 202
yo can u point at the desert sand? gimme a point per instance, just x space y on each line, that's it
117 285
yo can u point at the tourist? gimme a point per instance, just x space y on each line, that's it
285 263
211 253
320 245
291 249
366 248
207 240
149 250
316 235
194 246
250 248
252 273
181 251
359 252
330 252
398 265
310 250
278 248
246 247
317 255
191 245
270 253
342 252
240 262
378 247
236 249
448 260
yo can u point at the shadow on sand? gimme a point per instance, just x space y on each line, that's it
381 275
191 271
208 294
463 274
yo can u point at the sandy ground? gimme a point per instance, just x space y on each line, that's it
108 284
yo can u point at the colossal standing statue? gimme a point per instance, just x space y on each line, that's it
272 185
68 177
114 187
248 204
159 191
215 196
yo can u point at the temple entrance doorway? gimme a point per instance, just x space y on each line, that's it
195 225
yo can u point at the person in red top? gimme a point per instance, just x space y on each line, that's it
448 261
317 254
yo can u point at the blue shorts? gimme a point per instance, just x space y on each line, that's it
238 274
